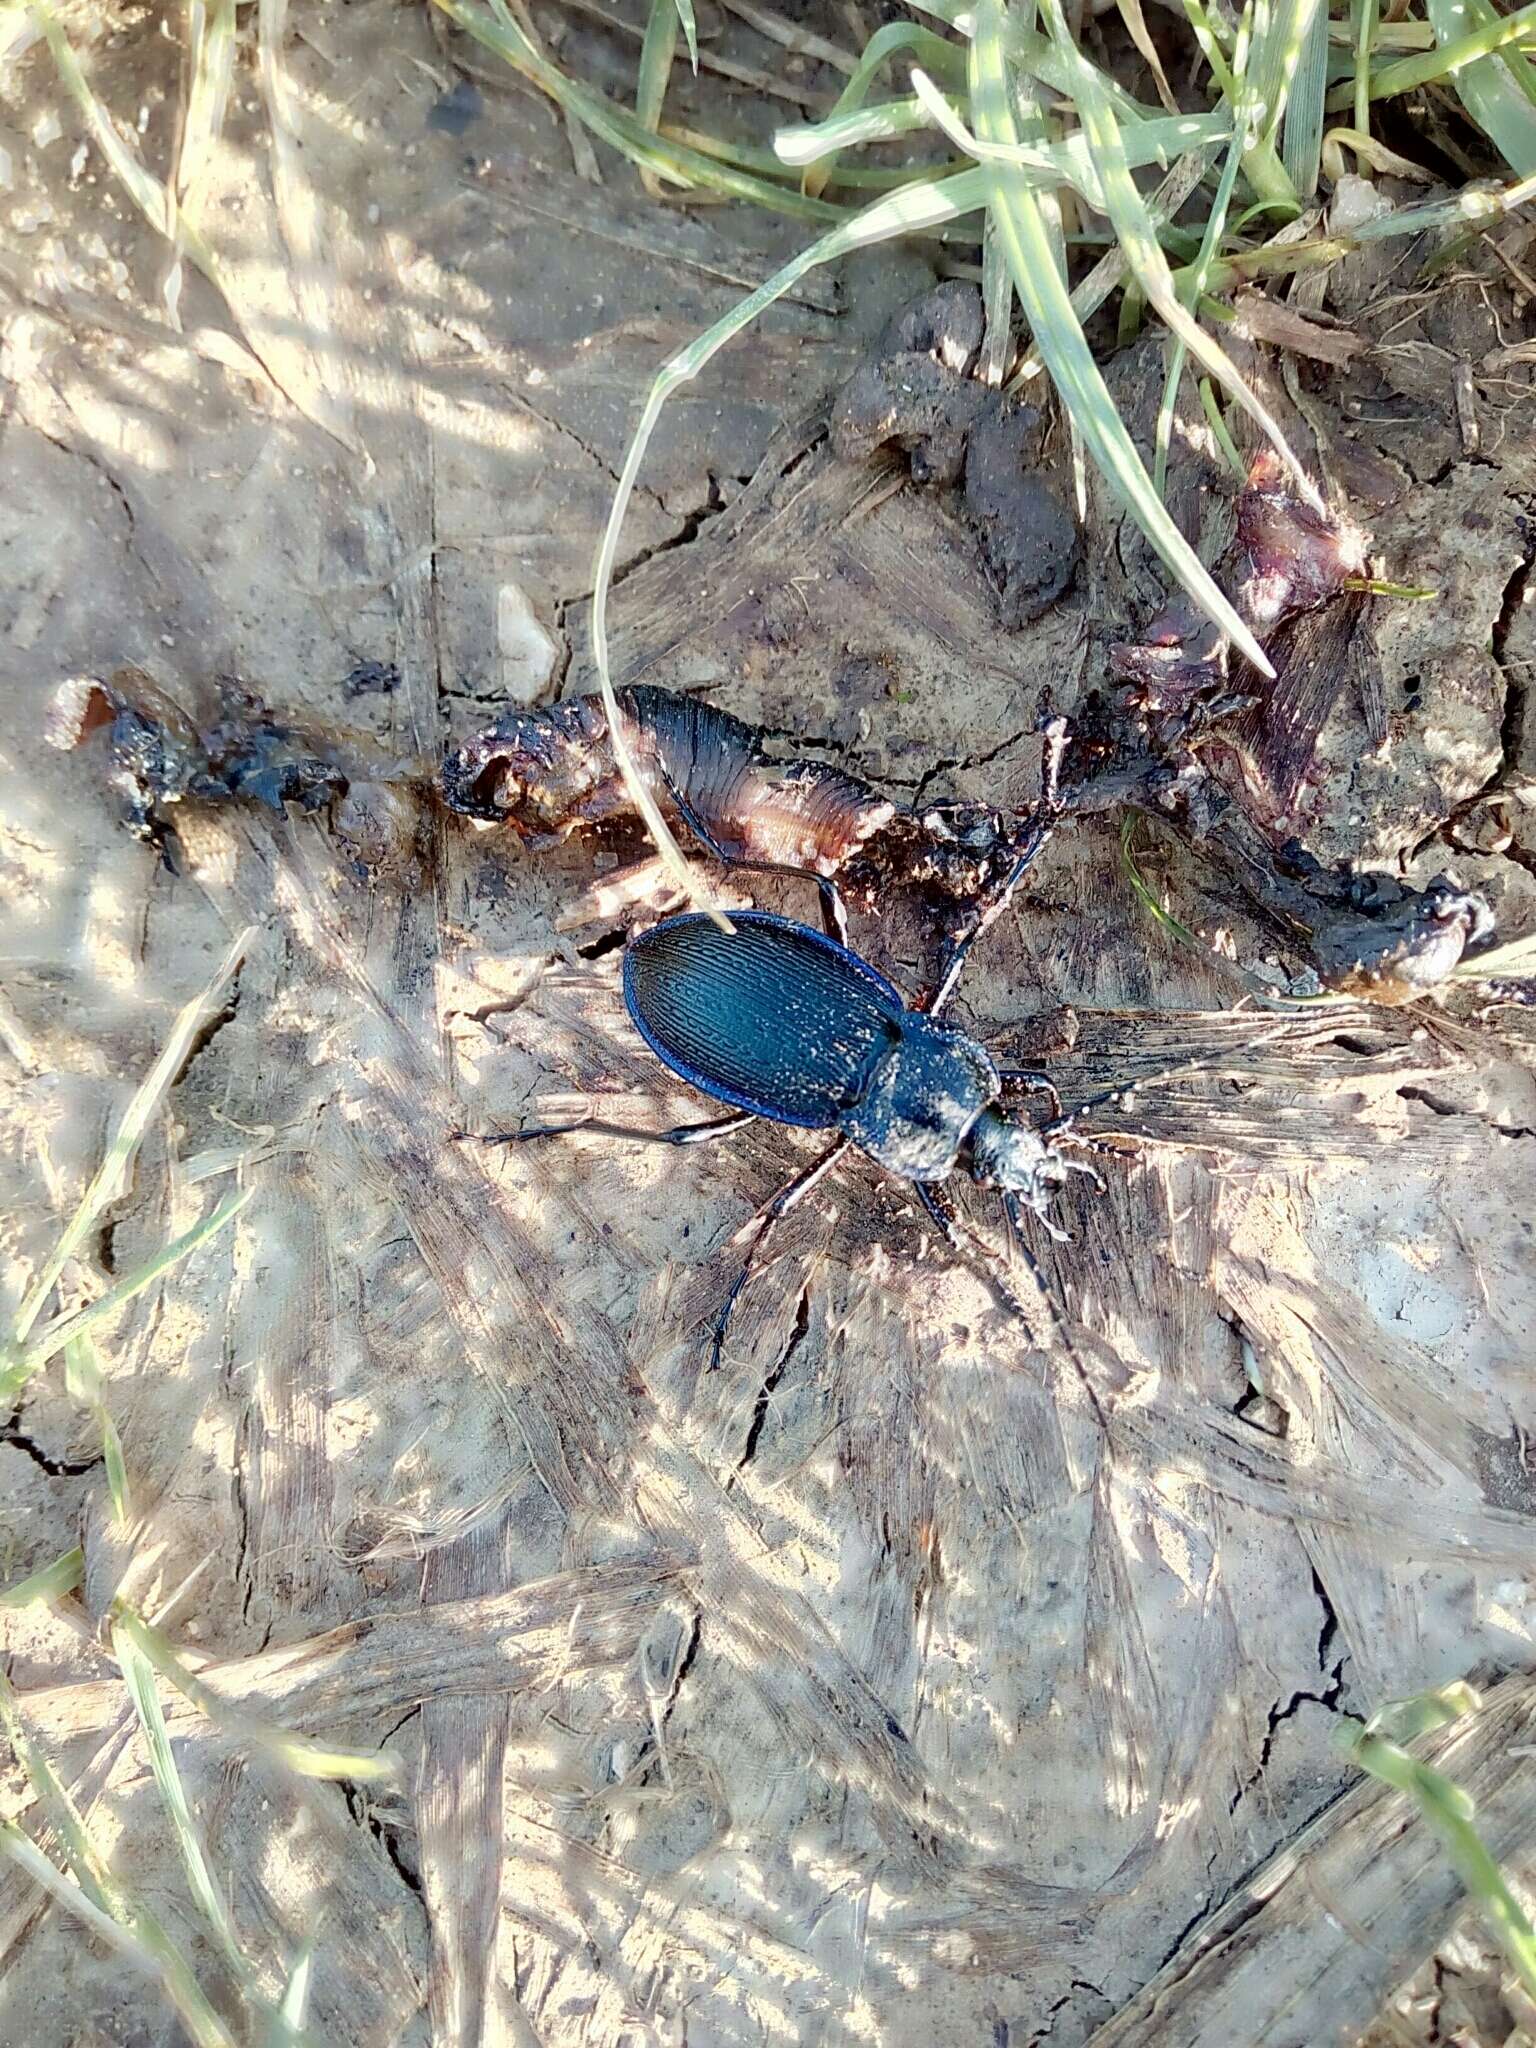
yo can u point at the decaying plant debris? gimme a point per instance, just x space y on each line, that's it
866 1688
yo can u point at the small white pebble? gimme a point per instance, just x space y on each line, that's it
374 214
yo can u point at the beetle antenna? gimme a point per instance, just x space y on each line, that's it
1057 1320
1123 1090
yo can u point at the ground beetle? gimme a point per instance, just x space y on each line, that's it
785 1023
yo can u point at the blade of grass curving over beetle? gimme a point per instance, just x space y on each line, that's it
884 44
1132 223
618 127
911 209
108 1181
1490 90
50 1582
24 1361
1062 343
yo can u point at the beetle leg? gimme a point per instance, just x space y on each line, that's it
945 1218
834 916
789 1197
992 903
679 1134
1029 1081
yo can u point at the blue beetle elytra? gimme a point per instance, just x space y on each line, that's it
783 1023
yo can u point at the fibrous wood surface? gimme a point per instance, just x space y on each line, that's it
868 1689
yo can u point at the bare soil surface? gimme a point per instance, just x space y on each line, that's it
869 1689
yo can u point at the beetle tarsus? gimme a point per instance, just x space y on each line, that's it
678 1134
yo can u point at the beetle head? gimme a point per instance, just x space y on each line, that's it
1012 1156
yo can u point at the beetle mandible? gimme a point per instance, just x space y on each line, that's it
784 1023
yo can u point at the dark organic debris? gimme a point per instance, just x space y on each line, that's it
371 679
1028 537
1297 557
162 757
548 774
1288 561
916 391
1368 936
913 391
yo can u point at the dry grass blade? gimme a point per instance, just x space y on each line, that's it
140 1680
306 1759
110 1177
909 210
24 1361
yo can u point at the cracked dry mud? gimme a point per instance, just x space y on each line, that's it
865 1690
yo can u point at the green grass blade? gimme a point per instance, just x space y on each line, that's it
1108 273
1283 28
1448 61
144 1944
287 2023
884 122
997 301
65 1329
654 71
83 1382
619 128
60 1811
51 1582
911 209
305 1758
1133 225
1302 153
1449 1812
885 43
1488 89
1062 343
110 1177
1191 292
140 1680
1071 161
690 32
